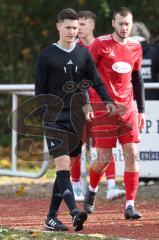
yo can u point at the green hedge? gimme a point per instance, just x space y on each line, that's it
27 26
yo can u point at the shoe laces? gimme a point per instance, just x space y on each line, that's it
58 221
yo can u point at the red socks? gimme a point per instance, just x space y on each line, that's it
110 170
94 178
131 180
76 169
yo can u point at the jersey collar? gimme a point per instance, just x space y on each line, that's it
65 49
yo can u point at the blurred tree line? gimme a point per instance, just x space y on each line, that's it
26 26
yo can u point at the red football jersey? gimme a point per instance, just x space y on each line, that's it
79 42
115 63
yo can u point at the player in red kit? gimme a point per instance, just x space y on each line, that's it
118 60
87 21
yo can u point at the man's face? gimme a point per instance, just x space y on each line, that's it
68 30
86 27
122 25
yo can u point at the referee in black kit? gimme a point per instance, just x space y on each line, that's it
64 72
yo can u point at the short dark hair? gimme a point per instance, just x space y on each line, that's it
67 13
123 11
87 14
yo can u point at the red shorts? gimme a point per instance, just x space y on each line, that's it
106 130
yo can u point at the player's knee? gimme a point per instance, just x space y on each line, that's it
62 163
104 155
130 160
99 166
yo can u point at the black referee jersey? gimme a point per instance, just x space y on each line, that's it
64 72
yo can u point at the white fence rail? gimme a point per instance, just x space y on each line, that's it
16 90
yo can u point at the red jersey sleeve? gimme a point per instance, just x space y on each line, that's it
137 65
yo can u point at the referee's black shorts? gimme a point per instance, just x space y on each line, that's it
64 135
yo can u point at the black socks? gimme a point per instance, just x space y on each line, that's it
65 188
62 189
55 200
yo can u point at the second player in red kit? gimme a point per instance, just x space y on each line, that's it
118 60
